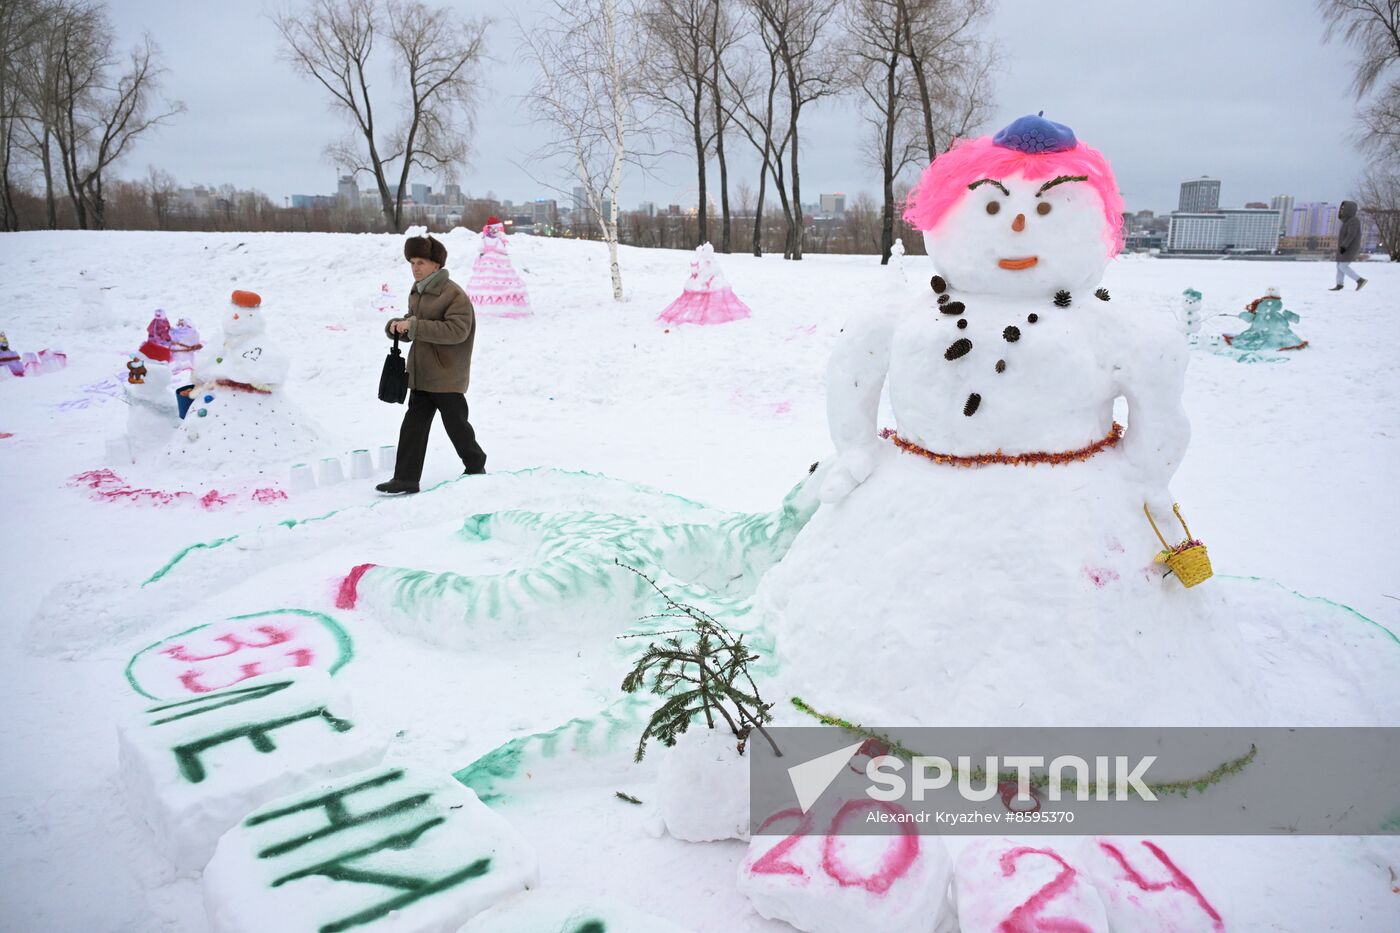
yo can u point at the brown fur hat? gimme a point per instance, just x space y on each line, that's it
425 247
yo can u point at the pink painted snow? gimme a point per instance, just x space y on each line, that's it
495 289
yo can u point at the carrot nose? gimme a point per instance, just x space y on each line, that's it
1019 223
235 317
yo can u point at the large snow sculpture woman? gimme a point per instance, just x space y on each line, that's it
494 287
988 560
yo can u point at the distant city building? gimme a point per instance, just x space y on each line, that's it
452 194
647 208
1314 219
1256 205
1195 232
544 212
1283 203
833 204
420 193
1247 229
1199 195
347 193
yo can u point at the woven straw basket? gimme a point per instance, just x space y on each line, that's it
1189 561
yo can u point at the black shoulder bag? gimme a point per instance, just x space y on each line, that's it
393 381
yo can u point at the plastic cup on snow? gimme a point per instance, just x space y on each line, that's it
388 453
331 472
361 466
302 479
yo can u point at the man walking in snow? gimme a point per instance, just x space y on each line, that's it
442 327
1348 245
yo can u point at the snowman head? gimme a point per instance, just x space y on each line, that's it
244 317
1029 211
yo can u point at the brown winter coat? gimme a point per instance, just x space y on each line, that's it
442 327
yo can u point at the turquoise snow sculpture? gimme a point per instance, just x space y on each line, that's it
1268 326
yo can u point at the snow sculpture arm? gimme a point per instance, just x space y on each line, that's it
1152 378
455 327
854 377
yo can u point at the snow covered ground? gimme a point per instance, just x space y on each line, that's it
1291 476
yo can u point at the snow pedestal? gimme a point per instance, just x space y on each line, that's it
391 848
847 884
547 912
153 411
707 297
703 786
1003 885
1146 890
192 768
494 287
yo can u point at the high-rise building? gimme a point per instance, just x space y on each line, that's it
647 208
544 211
1199 195
452 194
1283 203
420 193
1195 232
833 204
347 193
1314 218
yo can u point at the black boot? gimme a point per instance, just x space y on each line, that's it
396 486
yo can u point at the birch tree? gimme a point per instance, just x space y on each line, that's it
588 92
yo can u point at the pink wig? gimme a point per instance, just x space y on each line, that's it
944 183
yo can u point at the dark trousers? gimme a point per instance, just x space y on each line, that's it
418 422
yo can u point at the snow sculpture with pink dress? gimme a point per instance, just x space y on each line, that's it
707 298
495 289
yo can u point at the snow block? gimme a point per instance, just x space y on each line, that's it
1003 885
846 884
540 912
703 786
213 657
391 848
1145 890
192 768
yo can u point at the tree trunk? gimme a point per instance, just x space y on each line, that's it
719 132
50 202
758 211
696 122
887 155
797 230
916 65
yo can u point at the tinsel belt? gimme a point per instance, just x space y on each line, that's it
1111 439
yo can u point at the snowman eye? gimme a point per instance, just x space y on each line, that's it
1043 208
993 207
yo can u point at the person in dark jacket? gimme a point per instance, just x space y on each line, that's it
442 328
1348 245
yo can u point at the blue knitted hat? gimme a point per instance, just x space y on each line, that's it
1035 134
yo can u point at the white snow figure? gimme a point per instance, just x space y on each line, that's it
707 297
988 561
239 416
1190 316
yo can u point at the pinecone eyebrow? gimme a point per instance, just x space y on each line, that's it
1059 180
989 181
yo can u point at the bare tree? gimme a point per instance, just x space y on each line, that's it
436 57
753 78
588 91
950 64
723 36
678 78
810 70
20 24
1379 195
161 189
97 117
875 30
1372 27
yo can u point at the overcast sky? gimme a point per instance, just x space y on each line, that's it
1243 90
